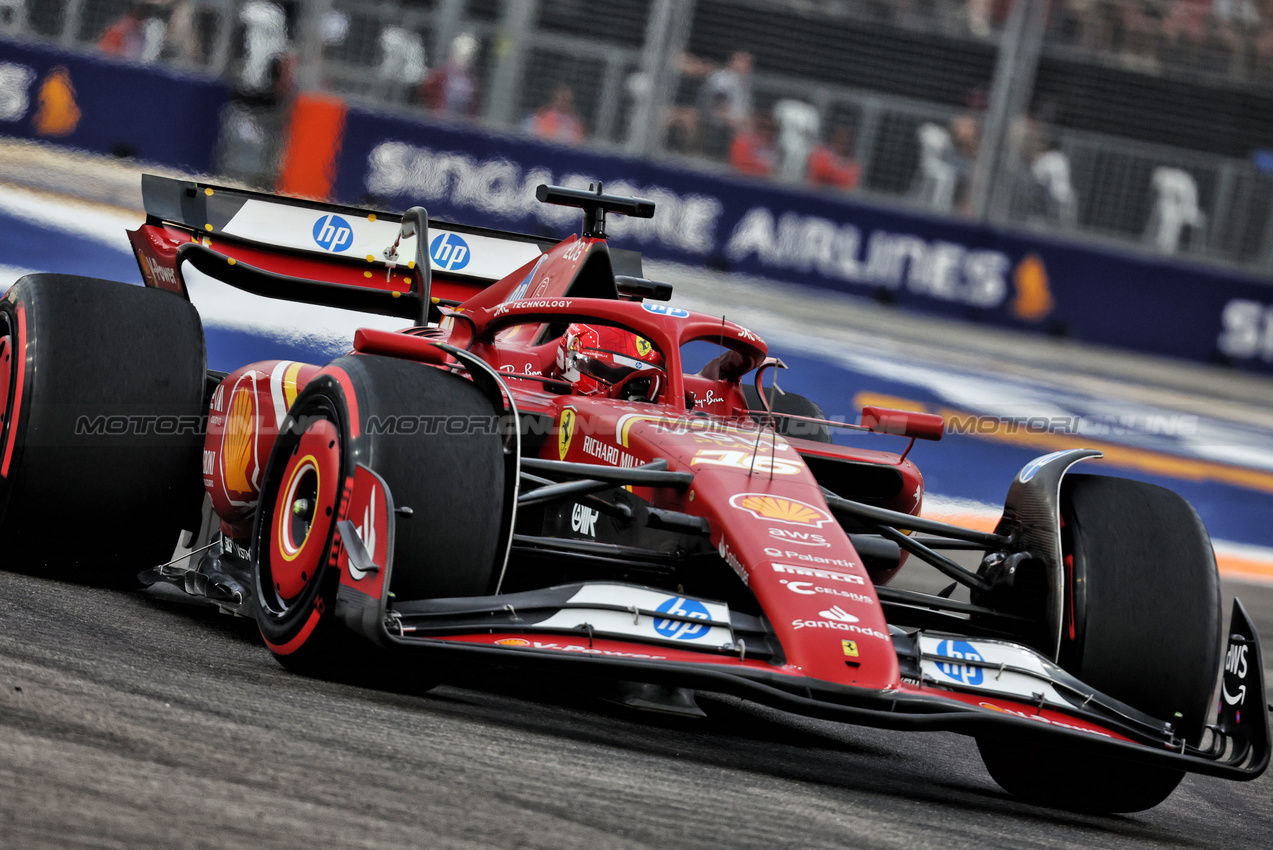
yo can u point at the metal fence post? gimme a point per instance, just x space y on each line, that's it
309 37
450 16
516 30
667 32
996 167
73 14
222 45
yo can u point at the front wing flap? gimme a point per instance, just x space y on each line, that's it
951 683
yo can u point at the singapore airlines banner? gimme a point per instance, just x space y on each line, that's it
1013 279
108 106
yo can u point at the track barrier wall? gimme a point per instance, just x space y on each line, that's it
923 263
152 114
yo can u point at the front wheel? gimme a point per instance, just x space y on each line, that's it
433 438
1141 624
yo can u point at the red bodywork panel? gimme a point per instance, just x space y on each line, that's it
247 410
768 517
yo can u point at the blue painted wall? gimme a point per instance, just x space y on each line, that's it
156 115
926 263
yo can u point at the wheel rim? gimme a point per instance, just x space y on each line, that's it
304 512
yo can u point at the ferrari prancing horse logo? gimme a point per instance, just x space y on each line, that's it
565 431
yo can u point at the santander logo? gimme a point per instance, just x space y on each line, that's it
838 615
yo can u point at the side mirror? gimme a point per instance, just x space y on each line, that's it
904 423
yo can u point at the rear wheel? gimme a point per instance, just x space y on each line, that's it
431 436
101 403
1142 625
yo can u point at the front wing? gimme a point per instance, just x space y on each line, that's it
948 682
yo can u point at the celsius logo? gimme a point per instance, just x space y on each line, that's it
333 233
450 252
960 650
679 629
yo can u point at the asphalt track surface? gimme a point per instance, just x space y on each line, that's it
136 720
139 720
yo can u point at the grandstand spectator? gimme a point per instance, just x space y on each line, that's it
1043 191
965 136
450 88
182 40
752 150
831 164
727 92
724 105
1234 21
1137 31
137 34
1188 35
683 116
557 120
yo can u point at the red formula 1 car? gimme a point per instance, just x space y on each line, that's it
552 468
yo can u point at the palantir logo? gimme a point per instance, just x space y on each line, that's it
450 252
960 650
680 629
333 233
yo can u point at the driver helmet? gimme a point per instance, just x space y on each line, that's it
594 358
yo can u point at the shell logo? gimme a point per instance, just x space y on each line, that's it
781 509
512 642
240 435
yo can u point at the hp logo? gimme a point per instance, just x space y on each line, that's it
665 310
333 233
960 650
679 629
449 252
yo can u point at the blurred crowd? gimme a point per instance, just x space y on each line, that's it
1145 33
715 115
1222 36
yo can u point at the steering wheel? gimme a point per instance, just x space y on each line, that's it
625 389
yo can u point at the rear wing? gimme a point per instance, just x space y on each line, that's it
314 252
332 232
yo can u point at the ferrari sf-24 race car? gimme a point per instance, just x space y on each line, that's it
551 468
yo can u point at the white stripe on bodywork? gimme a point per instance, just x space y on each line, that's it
288 226
276 391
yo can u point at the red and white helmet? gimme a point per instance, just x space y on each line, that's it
594 358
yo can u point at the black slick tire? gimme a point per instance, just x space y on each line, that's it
102 388
431 436
1142 625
